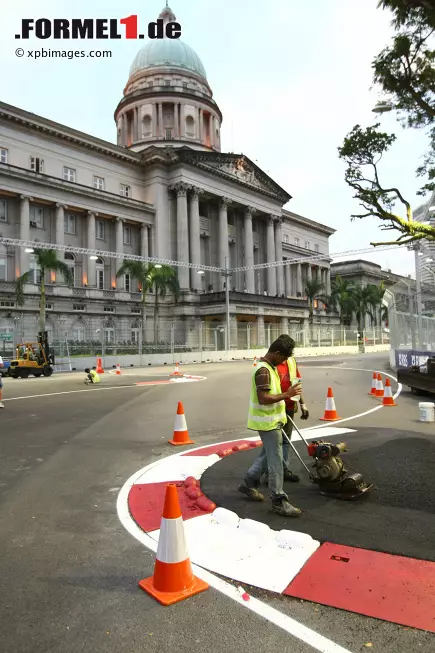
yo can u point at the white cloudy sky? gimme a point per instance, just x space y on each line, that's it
291 78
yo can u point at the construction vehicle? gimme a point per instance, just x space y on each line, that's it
420 378
33 358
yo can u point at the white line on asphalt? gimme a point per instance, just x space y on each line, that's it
279 619
367 412
70 392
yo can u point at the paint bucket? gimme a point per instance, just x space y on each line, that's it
427 412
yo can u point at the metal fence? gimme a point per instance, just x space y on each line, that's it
185 336
409 330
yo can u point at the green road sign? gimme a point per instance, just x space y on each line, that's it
6 336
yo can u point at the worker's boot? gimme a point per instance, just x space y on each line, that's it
288 476
284 508
251 492
2 404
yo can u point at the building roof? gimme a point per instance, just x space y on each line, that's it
167 52
306 222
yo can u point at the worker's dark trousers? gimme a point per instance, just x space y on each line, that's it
288 428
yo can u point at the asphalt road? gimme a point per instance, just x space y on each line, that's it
68 569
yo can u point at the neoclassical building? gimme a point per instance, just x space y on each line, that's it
164 190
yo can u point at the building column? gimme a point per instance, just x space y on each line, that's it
119 248
154 128
195 238
124 129
328 281
224 251
284 325
249 251
278 254
161 131
60 232
134 134
24 231
91 278
182 235
201 125
299 279
288 283
144 241
182 121
261 334
319 274
309 272
271 272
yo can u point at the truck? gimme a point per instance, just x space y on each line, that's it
419 378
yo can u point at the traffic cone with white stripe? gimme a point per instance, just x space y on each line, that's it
181 434
118 369
173 578
330 410
388 395
379 387
176 372
374 385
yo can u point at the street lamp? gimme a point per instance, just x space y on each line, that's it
382 107
157 265
29 250
93 257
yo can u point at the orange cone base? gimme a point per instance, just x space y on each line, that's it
169 598
328 418
389 402
182 437
176 374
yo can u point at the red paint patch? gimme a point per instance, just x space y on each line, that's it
379 585
146 502
153 383
215 448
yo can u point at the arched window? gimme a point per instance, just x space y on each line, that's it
71 263
35 276
190 127
3 263
99 266
147 126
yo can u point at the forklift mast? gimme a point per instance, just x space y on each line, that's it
43 341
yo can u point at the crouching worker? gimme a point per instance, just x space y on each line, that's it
267 415
91 376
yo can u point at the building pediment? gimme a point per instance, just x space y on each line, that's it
236 168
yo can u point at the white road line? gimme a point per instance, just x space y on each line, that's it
291 626
70 392
367 412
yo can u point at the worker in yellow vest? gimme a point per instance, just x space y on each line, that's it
267 415
91 376
288 375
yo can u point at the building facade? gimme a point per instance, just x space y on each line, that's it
164 190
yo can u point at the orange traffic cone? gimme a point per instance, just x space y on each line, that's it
330 410
99 369
173 578
176 372
379 387
374 385
118 369
181 434
388 396
255 362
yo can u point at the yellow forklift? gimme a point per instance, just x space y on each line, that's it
32 358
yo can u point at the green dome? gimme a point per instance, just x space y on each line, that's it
168 52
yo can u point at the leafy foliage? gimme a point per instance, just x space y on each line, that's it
362 151
313 291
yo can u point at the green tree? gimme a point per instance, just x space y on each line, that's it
158 280
376 305
313 290
47 261
362 297
362 151
341 299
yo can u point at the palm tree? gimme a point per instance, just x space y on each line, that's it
377 293
47 261
341 298
313 291
158 279
362 296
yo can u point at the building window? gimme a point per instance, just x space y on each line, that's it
3 155
285 238
35 276
2 268
6 304
69 226
48 306
69 174
99 183
135 335
109 335
71 263
297 242
184 84
36 164
127 235
307 244
127 282
136 311
100 230
125 190
3 211
109 309
79 334
168 134
316 247
100 273
147 126
36 217
190 127
167 82
79 308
